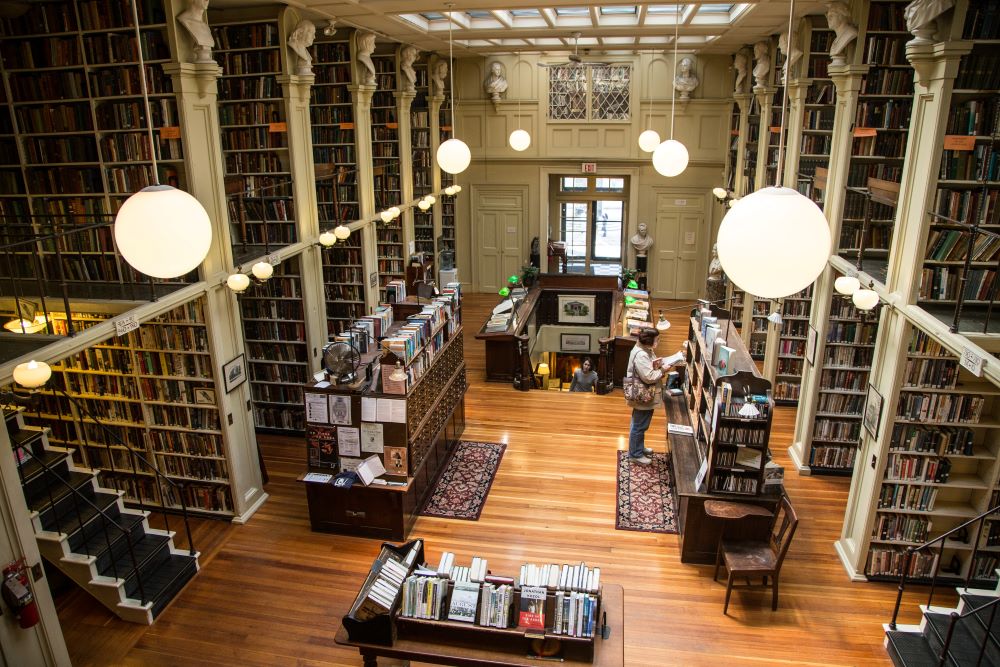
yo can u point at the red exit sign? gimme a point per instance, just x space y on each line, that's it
589 167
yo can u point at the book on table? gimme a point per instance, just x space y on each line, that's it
532 616
464 600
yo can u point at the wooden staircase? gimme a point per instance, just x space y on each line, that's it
86 531
921 646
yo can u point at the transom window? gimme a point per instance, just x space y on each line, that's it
597 92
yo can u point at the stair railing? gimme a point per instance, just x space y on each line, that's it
77 498
955 617
928 547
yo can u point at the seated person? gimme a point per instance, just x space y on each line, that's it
584 378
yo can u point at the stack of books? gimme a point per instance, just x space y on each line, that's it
382 593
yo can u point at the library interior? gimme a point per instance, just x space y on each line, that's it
248 424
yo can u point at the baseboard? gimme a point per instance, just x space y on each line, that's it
243 518
796 457
845 560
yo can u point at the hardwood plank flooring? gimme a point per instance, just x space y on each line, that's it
272 592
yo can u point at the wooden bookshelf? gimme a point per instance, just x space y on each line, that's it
791 343
423 161
343 283
774 120
333 129
385 164
732 155
735 303
941 468
154 390
274 331
759 324
446 241
818 111
752 146
254 136
73 134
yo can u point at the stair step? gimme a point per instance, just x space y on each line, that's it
10 414
983 618
32 468
99 534
964 649
59 489
71 514
910 649
168 580
30 440
150 551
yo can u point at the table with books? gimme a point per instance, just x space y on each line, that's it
457 614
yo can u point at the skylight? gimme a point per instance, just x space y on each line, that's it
663 9
714 8
479 14
433 16
609 11
572 11
524 13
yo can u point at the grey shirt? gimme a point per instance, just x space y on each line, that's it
583 381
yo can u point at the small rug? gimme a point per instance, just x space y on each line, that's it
646 495
461 490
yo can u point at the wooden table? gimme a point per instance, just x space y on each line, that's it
607 652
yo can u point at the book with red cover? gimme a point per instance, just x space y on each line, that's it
532 616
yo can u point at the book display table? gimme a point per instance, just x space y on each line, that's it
493 646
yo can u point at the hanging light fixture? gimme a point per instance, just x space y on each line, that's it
262 271
649 139
423 205
519 139
777 241
238 282
160 231
775 318
327 239
453 156
671 157
865 299
847 285
395 211
663 323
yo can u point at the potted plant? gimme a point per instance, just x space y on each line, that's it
627 276
529 275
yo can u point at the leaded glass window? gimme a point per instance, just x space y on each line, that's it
589 92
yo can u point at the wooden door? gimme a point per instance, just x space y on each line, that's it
499 240
678 263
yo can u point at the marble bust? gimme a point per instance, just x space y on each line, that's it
715 287
685 81
838 16
762 66
741 65
496 82
299 42
641 242
790 49
193 20
408 56
366 47
438 74
921 18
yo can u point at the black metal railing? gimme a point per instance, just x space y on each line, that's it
939 543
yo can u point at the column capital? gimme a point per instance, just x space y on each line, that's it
296 85
936 61
800 85
200 78
405 99
742 100
847 78
362 95
764 94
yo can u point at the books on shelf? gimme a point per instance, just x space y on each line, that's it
532 610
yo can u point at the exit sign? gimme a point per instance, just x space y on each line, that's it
589 167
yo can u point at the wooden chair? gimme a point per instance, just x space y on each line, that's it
748 559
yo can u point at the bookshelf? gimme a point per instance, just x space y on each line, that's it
333 130
759 324
752 147
254 136
941 467
274 331
774 118
818 112
880 131
792 337
74 135
423 161
732 155
447 204
155 390
385 164
735 298
343 284
845 367
968 186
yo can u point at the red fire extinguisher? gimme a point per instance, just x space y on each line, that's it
17 593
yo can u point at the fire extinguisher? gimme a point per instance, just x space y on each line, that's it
17 593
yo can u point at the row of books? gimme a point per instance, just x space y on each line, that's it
901 528
567 577
390 573
972 117
907 497
843 404
905 468
848 356
475 572
951 245
941 283
263 371
831 429
937 440
832 456
889 562
855 333
979 71
935 373
276 393
844 380
940 408
967 205
922 343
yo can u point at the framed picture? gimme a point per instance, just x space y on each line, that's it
873 411
574 342
576 308
235 373
203 396
811 346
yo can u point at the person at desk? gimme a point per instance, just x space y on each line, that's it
584 378
644 364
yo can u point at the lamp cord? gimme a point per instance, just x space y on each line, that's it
145 94
673 88
451 71
779 172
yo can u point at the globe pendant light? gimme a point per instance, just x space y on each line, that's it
519 139
32 374
847 285
649 139
671 157
238 282
262 270
327 239
776 241
342 232
453 156
160 230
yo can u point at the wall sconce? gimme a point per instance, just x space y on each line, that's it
238 282
262 271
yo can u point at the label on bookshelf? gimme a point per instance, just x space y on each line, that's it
972 362
277 127
865 132
373 279
124 325
347 126
273 260
392 126
959 142
170 132
775 129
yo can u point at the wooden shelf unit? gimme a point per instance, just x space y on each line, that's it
750 156
343 283
277 354
941 468
818 112
155 389
254 136
73 134
423 161
732 155
791 343
385 161
774 121
446 242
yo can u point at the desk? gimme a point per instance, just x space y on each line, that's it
607 653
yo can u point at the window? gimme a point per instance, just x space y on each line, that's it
588 214
595 92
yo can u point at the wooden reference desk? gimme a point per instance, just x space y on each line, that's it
698 532
607 652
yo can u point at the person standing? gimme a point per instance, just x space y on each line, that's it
644 364
584 378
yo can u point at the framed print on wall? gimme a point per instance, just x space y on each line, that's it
873 411
574 342
576 308
234 373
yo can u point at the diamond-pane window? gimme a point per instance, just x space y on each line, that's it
568 93
605 98
611 88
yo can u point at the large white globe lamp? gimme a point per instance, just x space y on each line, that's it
453 156
32 374
774 243
163 232
865 299
341 231
670 158
649 140
519 140
847 285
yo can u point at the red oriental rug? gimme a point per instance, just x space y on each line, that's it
646 495
461 490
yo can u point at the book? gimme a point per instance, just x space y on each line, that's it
369 469
721 357
464 599
532 613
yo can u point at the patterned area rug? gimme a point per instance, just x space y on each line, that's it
462 488
646 495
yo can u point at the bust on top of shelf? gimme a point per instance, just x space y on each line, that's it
762 68
299 42
438 74
193 20
496 81
838 17
685 80
741 63
407 56
790 49
366 47
921 18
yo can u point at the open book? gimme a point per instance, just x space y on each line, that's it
673 359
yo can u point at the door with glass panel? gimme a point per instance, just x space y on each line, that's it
591 214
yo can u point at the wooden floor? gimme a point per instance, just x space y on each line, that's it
272 593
